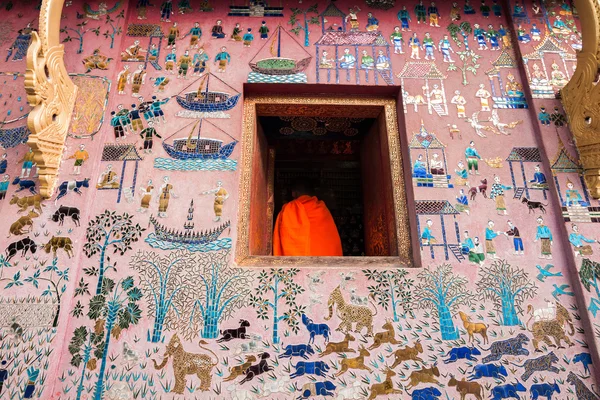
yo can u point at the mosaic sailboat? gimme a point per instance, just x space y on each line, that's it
205 100
199 148
276 64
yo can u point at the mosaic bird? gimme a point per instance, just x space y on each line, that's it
545 272
560 291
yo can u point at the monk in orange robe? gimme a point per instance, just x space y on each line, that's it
305 227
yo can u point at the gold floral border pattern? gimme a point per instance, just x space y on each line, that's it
345 106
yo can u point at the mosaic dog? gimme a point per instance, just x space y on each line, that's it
508 347
543 363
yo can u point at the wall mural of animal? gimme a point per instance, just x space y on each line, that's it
474 327
315 389
339 347
508 347
488 371
389 336
543 390
59 242
351 392
458 353
581 390
25 184
350 314
238 370
585 359
185 363
257 369
236 333
315 329
318 368
540 364
479 189
24 245
534 205
425 375
63 212
23 225
386 387
507 391
354 363
544 329
407 354
297 350
71 186
464 388
429 393
24 203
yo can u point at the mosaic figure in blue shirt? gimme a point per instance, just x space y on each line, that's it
404 18
419 167
578 241
445 48
493 36
123 114
347 60
518 10
145 107
497 9
490 235
479 35
462 204
115 122
544 116
504 36
473 158
32 376
157 109
427 237
170 61
539 179
223 58
467 244
560 27
3 374
372 23
199 62
462 178
572 195
536 34
4 186
468 8
383 61
3 163
248 38
544 235
522 36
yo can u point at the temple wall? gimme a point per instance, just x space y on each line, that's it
98 318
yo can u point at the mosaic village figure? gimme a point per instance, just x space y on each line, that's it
236 34
497 194
165 194
21 44
427 237
397 40
96 61
183 65
572 195
420 12
195 34
223 58
220 196
347 60
480 37
544 236
462 202
263 30
490 235
484 97
123 115
148 134
578 241
138 78
4 186
372 23
135 117
80 156
133 53
248 38
445 48
146 193
462 176
199 62
455 12
415 44
173 35
123 79
108 179
428 46
118 129
3 163
352 18
460 102
28 163
217 30
514 233
160 83
404 18
170 60
434 15
166 9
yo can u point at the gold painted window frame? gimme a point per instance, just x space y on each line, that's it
249 125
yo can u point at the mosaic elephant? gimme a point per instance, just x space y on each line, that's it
185 363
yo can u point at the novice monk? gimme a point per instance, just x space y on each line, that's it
305 227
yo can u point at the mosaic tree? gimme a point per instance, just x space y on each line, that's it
464 29
278 283
391 289
589 273
302 19
507 287
79 33
113 310
214 290
163 279
106 231
470 63
115 27
442 291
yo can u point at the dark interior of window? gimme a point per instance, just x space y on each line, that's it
345 158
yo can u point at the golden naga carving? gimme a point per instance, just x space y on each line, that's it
51 93
581 96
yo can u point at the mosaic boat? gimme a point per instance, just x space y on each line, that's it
191 148
204 100
187 237
277 65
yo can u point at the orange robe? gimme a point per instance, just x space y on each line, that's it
305 227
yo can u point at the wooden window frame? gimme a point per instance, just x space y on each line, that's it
255 106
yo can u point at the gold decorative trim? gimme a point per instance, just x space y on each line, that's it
51 93
257 105
581 96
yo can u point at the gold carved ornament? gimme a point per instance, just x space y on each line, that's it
581 96
50 93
